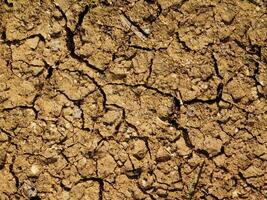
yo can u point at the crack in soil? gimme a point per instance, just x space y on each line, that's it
104 146
70 39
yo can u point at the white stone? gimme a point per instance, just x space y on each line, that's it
35 170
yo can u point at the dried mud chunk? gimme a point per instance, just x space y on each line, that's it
156 103
86 140
26 18
182 148
7 184
168 175
85 190
200 37
132 71
162 193
257 36
137 194
161 68
32 42
175 49
252 171
239 159
121 181
190 74
109 122
106 166
100 58
141 165
226 66
194 159
70 176
57 165
212 145
105 16
139 149
241 87
162 155
143 15
73 84
54 50
111 116
118 70
18 92
96 42
86 167
121 96
27 71
260 151
92 107
20 167
227 15
50 106
16 118
73 151
141 62
218 191
3 136
220 160
46 183
210 128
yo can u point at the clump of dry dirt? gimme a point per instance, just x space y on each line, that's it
138 99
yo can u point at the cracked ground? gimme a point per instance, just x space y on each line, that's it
133 99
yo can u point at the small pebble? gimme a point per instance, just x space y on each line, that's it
32 192
77 113
162 155
139 149
35 170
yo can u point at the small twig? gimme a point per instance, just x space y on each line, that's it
128 24
192 188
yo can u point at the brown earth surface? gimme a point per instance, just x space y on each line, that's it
133 99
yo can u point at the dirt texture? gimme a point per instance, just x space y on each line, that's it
133 99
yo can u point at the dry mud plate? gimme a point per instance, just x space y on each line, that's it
133 99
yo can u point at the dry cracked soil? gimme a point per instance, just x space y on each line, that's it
133 99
